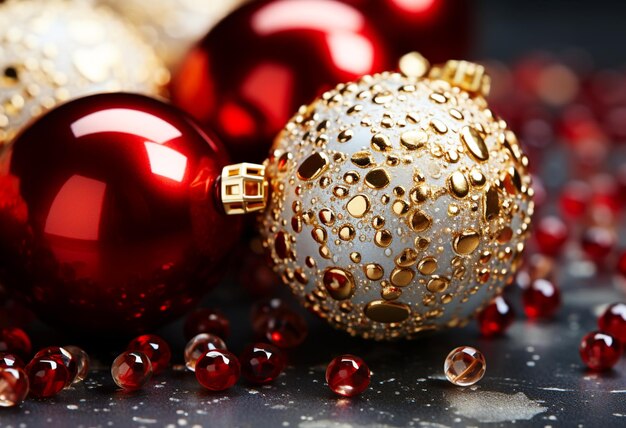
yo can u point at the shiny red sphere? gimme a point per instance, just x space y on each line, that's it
541 299
261 363
348 375
259 64
131 370
63 356
13 386
113 224
613 321
496 317
286 329
600 351
439 29
207 320
155 348
47 377
551 235
16 341
575 198
218 370
598 242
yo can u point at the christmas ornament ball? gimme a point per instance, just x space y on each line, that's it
261 62
110 219
399 204
55 50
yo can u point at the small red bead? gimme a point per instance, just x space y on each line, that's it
155 348
575 197
597 242
131 370
262 309
16 341
600 351
8 361
541 299
348 375
551 235
62 356
286 330
496 317
218 370
207 320
613 321
13 386
47 376
200 345
261 363
82 362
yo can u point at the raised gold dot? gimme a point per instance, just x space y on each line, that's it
325 252
383 97
319 235
310 261
491 203
412 118
345 136
390 293
418 221
313 166
407 258
466 242
358 206
341 191
383 238
477 178
438 98
427 266
400 207
437 284
339 283
327 217
413 140
456 114
381 143
504 235
347 232
351 177
475 143
420 193
458 185
453 209
378 222
387 312
282 245
362 159
438 126
373 271
355 257
377 178
401 277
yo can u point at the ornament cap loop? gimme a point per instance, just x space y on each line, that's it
243 188
469 76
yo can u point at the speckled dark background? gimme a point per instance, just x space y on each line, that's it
534 375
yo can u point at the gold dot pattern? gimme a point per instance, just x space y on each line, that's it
422 186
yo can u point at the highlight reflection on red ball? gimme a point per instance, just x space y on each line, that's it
108 220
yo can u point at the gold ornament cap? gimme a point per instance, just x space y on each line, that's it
469 76
243 188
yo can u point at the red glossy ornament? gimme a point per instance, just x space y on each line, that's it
16 341
218 370
13 387
551 235
259 64
8 361
261 363
155 348
597 242
613 321
348 375
413 25
121 229
541 299
62 356
600 351
47 377
496 317
207 320
131 370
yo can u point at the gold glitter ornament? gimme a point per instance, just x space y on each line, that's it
55 50
401 199
173 26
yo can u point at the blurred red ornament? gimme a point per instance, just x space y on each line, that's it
121 229
551 235
260 63
438 29
613 321
496 317
600 351
155 348
16 341
597 242
575 197
207 320
541 299
273 320
348 375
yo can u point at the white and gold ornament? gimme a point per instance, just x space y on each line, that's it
55 50
398 203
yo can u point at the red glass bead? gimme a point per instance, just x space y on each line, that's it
464 366
200 345
575 197
13 386
496 317
16 341
348 375
263 61
261 363
264 308
600 351
63 356
597 242
46 377
541 299
551 235
8 361
131 370
155 348
613 321
82 361
207 320
217 370
285 330
123 231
